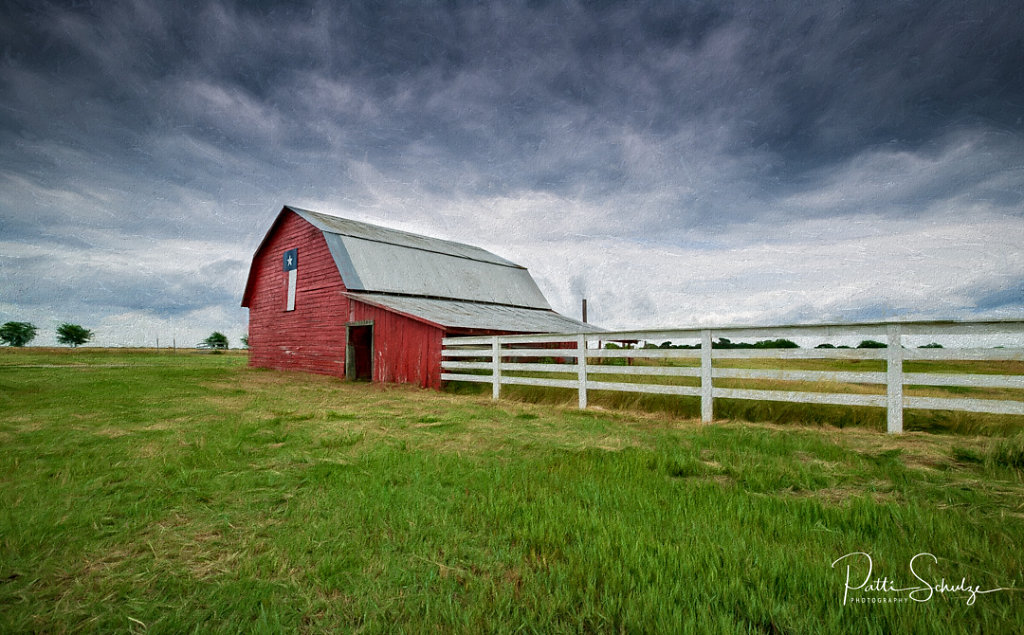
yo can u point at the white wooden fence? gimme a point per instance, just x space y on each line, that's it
500 355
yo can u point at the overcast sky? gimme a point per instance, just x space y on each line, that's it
677 163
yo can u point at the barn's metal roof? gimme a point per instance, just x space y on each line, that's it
473 315
382 260
376 233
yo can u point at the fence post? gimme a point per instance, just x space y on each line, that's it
894 378
707 407
581 368
495 368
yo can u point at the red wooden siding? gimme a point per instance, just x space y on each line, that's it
405 351
312 337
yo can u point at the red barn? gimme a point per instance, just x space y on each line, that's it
340 297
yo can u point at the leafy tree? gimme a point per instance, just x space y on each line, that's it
245 341
216 341
779 343
73 335
870 344
825 345
932 345
17 333
626 344
725 342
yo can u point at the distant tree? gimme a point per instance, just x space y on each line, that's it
870 344
932 345
616 346
779 343
217 341
17 333
245 341
73 335
725 342
825 345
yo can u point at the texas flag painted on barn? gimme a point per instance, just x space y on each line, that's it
291 265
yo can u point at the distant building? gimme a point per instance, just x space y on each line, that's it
339 297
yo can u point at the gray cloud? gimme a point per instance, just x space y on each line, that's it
122 281
699 126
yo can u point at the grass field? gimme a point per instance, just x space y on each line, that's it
162 492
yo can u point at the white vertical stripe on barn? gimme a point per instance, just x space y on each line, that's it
292 276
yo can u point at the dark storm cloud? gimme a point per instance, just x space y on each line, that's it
524 96
677 123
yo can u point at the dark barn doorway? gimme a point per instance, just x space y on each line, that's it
359 351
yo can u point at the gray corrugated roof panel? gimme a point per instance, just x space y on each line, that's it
367 265
381 260
471 315
376 233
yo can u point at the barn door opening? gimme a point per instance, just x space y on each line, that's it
359 351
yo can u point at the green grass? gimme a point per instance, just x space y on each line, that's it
184 492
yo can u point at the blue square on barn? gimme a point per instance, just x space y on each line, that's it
291 259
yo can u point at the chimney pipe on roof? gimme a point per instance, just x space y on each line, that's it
584 310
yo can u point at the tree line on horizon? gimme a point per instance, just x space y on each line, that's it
21 333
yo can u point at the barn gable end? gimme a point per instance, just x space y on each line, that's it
308 338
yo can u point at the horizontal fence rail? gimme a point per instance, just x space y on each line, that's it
579 361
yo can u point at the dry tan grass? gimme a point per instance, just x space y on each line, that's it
110 432
878 491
